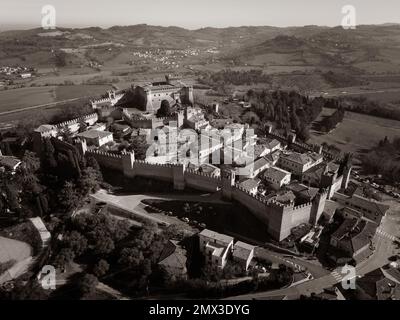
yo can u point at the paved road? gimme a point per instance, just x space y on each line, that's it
133 203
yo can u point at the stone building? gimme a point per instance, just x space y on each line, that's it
149 97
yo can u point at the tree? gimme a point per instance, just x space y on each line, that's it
139 147
92 162
250 117
164 110
31 162
76 242
64 258
68 197
103 243
304 133
49 160
173 231
87 284
131 257
101 268
295 121
89 181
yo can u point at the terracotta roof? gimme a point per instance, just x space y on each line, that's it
260 163
276 173
250 184
301 158
303 190
242 250
217 236
273 143
173 257
93 134
378 287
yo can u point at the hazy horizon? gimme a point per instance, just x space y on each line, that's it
29 27
195 14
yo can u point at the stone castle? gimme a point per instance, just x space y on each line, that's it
147 97
279 218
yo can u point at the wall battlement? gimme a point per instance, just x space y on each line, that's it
280 218
203 174
104 154
91 116
304 205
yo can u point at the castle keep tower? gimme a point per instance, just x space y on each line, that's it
318 205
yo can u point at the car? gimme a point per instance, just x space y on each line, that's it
101 204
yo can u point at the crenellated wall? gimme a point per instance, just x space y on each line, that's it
107 160
300 146
254 203
279 218
202 181
301 214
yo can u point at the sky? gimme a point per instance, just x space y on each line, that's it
194 14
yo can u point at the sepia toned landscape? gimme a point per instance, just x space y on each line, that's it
242 163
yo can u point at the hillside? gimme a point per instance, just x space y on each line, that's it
312 59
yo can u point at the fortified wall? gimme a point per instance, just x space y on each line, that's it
279 218
299 146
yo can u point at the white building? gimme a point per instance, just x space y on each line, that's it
216 248
298 163
96 137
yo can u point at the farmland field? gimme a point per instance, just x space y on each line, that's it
358 133
27 97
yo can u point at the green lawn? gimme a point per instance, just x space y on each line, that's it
26 97
32 96
358 133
